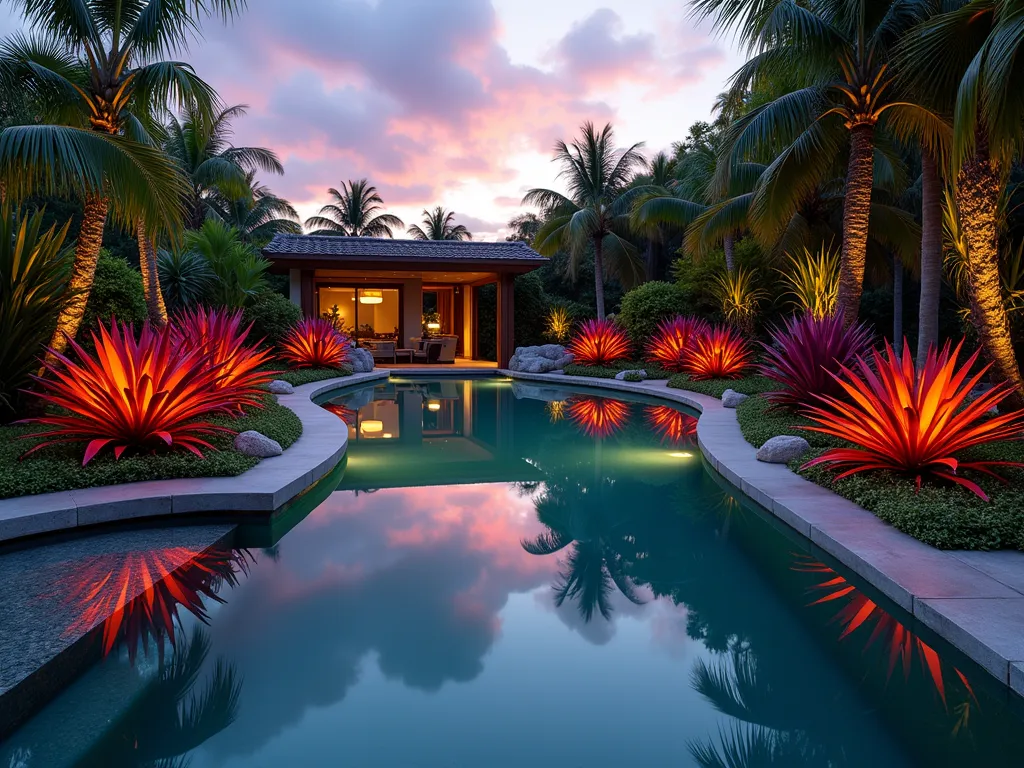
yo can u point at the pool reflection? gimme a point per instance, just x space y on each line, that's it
519 565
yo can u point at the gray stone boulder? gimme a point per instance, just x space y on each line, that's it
624 375
732 399
360 359
279 387
253 443
783 449
548 358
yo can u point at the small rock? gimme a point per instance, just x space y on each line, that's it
782 449
279 387
253 443
732 399
636 374
361 360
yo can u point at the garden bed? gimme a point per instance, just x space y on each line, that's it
59 467
752 385
944 516
654 372
309 375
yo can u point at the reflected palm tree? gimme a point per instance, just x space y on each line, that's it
169 718
576 519
751 746
135 596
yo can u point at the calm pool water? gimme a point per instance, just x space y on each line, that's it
512 575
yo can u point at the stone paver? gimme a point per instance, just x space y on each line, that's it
264 488
975 600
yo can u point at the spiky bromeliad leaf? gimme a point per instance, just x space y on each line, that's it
315 343
672 339
721 353
913 422
599 342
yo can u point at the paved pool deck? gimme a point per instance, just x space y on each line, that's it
973 600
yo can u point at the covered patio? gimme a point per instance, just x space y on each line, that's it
412 302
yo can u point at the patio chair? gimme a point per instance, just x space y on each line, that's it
384 350
430 354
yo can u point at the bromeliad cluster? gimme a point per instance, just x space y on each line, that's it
599 342
156 389
315 343
913 422
692 346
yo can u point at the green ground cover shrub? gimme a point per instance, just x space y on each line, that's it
271 315
308 375
116 292
59 467
751 385
654 372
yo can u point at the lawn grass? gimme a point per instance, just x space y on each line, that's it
59 467
654 372
946 516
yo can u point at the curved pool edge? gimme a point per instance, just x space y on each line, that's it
263 489
973 600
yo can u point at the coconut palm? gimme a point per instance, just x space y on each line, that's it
846 96
972 58
201 144
99 64
439 224
258 215
594 215
355 211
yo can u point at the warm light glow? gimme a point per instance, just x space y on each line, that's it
434 326
315 343
598 417
371 427
672 425
434 405
387 436
681 455
556 410
721 353
599 342
673 338
144 393
371 296
910 421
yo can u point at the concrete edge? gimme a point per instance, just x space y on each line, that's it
264 488
914 575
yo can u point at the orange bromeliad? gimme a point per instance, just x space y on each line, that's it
673 339
914 422
671 425
315 343
599 342
221 337
720 353
135 394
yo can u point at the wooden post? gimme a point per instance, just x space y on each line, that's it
506 318
474 319
308 294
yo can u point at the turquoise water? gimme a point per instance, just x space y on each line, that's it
511 575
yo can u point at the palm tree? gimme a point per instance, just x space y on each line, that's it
973 58
847 90
97 63
354 212
257 216
439 224
595 212
201 145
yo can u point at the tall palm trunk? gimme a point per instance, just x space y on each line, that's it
87 252
931 256
897 305
856 214
155 307
599 275
729 246
977 197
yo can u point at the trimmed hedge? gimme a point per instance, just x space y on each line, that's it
59 467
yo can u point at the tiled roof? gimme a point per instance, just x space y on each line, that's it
327 246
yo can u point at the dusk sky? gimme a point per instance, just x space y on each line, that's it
454 102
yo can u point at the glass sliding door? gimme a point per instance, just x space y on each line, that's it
363 313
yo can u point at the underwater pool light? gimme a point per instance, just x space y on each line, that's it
681 455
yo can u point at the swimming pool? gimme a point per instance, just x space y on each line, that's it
504 574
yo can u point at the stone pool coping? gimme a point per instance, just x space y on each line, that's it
973 600
264 488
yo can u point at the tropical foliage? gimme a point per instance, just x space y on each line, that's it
912 421
221 338
439 224
720 353
315 343
139 392
237 268
806 355
355 211
813 281
673 340
599 342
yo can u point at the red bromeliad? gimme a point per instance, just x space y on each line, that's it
803 354
315 343
135 394
221 337
672 425
913 422
721 353
673 339
598 416
599 342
